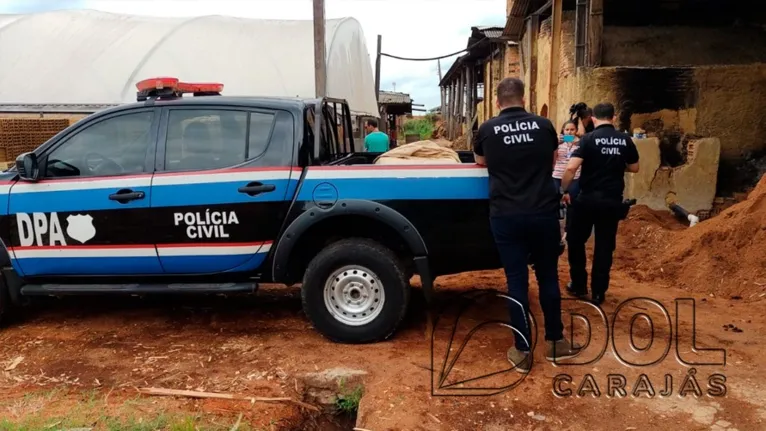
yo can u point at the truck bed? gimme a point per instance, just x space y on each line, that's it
369 158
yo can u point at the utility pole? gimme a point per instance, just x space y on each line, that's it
320 64
377 70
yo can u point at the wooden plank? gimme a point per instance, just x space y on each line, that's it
448 113
469 102
555 70
489 90
451 111
442 94
581 36
475 88
534 29
460 104
595 32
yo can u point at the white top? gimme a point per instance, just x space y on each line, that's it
91 57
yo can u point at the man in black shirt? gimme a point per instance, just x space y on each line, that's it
605 155
519 150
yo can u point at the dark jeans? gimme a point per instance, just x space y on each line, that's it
601 218
516 237
574 190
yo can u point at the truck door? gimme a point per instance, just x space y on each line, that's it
221 189
89 212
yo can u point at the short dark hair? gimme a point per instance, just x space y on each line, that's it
372 122
510 91
603 111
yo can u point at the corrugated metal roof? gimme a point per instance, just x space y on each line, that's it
391 97
490 32
452 70
514 26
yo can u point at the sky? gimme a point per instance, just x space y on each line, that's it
409 28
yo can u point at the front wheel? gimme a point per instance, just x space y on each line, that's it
355 291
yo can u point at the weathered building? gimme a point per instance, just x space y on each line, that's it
467 96
679 69
394 108
692 67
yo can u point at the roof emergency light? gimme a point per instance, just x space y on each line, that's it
172 88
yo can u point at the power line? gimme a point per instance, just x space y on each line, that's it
434 58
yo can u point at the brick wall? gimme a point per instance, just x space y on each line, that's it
22 135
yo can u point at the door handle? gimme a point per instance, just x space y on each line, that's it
255 188
126 195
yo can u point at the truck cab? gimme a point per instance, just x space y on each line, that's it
215 194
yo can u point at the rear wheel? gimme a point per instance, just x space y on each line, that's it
355 291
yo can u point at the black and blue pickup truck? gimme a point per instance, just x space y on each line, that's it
215 194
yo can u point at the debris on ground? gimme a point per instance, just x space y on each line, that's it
201 394
723 255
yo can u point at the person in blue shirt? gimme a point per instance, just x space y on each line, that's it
376 141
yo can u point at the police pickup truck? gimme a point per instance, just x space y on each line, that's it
214 194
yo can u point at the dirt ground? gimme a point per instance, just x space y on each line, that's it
84 359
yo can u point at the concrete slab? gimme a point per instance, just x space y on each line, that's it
692 185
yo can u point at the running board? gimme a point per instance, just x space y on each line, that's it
176 288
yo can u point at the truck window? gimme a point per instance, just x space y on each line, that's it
212 139
114 146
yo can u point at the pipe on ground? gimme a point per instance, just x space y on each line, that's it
680 212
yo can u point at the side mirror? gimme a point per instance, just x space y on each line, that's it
26 165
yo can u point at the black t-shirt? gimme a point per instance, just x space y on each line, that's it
519 149
605 153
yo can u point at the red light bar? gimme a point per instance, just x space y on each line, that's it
167 87
157 84
187 87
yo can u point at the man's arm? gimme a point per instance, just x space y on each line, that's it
580 128
574 164
631 159
478 147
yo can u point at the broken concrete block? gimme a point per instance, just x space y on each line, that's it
324 386
693 184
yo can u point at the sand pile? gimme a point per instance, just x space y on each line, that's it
725 255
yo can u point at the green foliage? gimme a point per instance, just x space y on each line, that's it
422 127
348 401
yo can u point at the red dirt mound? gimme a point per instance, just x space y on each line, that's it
724 255
641 237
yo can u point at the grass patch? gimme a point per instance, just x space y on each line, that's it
422 127
347 401
108 423
45 412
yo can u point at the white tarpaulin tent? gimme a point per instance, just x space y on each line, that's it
88 57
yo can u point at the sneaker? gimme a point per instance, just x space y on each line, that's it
562 349
520 360
577 293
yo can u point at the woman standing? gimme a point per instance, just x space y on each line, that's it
568 142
